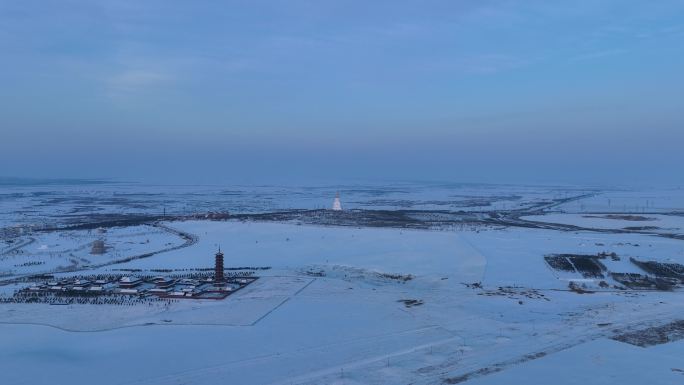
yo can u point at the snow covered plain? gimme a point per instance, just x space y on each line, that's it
46 252
331 310
39 204
602 361
656 223
629 200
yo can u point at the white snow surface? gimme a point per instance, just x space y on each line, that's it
602 361
652 222
328 310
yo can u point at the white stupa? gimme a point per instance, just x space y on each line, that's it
337 206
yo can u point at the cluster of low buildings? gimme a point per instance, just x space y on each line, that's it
160 286
209 286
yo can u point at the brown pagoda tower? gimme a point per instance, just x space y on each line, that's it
218 267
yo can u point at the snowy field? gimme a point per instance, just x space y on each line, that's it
292 247
646 222
347 325
35 205
602 361
351 305
46 252
636 201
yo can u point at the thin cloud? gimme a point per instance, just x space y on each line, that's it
493 63
478 64
599 54
137 80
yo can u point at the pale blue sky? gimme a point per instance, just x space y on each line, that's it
469 90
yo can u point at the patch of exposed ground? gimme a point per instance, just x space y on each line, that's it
657 335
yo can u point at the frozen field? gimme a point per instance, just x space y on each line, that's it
645 222
47 252
38 205
643 200
601 361
351 305
293 247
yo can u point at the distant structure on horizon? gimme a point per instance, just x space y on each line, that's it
337 206
218 267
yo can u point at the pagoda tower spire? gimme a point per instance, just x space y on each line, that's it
337 206
218 266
